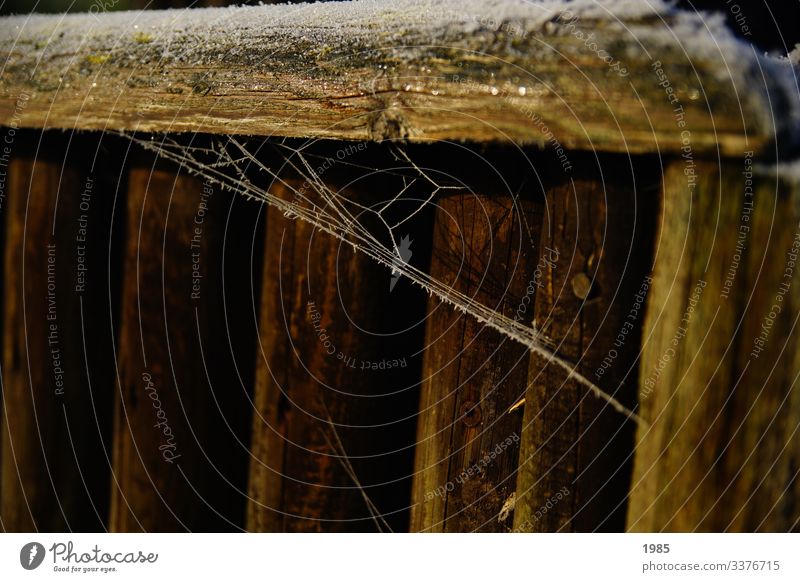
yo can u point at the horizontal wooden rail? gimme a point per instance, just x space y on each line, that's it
626 77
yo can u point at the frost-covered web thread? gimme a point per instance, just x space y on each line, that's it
335 214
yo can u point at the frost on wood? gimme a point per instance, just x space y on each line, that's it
794 56
407 69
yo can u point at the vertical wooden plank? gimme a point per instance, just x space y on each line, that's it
181 429
720 359
595 260
5 161
336 386
761 471
57 353
467 441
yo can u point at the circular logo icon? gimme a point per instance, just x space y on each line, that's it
31 555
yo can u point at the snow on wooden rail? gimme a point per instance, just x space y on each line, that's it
613 76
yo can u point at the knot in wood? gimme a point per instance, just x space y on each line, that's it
470 413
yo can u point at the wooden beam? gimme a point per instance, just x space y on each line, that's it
467 440
593 278
58 359
718 381
181 425
336 380
629 78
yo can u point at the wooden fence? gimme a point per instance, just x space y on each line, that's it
165 345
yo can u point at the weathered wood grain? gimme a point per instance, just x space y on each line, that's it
568 75
336 384
181 424
594 260
485 246
58 342
719 365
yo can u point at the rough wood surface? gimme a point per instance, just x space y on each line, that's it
467 440
180 434
562 74
57 362
718 380
328 432
576 451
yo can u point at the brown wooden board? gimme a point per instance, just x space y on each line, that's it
181 432
337 372
467 441
718 375
58 359
595 262
630 77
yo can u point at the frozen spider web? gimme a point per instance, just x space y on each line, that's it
228 162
